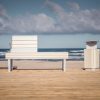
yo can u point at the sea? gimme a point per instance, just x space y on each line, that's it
74 53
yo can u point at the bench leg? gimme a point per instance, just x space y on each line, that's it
9 65
64 65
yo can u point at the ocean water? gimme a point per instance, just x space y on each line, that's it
74 53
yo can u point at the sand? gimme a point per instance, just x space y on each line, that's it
38 64
74 84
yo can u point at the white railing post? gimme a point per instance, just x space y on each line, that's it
9 65
64 65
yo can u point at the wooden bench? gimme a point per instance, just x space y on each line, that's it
25 47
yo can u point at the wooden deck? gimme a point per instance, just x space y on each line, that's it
74 84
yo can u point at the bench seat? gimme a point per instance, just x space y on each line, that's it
36 55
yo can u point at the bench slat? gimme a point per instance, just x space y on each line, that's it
17 50
24 42
39 55
24 37
24 46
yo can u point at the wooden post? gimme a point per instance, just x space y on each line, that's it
9 65
93 60
64 65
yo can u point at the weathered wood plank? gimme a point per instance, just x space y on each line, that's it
38 55
24 37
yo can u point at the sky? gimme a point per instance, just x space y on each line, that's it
58 23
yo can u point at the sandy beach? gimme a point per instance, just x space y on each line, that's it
74 84
44 64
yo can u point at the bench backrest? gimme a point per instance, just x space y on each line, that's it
24 43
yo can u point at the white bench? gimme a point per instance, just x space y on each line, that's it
25 47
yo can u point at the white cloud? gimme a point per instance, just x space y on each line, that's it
33 23
3 20
3 12
78 21
81 21
73 5
55 7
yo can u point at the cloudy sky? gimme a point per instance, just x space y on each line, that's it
58 23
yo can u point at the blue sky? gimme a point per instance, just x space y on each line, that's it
58 23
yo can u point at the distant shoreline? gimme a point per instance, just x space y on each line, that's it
74 53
